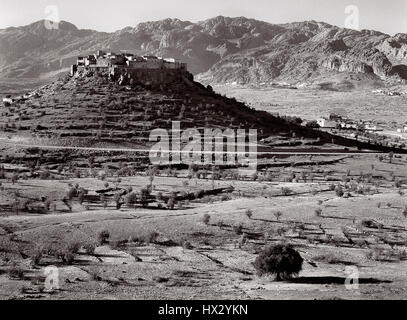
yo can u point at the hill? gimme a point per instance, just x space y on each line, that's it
93 110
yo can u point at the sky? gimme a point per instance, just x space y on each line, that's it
389 16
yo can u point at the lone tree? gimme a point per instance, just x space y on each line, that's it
144 196
206 218
391 156
281 260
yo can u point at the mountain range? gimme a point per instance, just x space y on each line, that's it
217 50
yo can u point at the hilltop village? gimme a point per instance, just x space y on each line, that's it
127 66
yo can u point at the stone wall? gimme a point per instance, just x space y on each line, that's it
151 76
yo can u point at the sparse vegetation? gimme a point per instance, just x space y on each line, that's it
286 191
238 229
65 184
206 218
331 258
386 255
339 191
278 215
131 199
103 236
15 272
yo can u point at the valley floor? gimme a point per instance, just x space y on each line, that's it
311 104
217 261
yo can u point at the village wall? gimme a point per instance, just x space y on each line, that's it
153 76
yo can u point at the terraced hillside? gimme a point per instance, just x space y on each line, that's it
91 110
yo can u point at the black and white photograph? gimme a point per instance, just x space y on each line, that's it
203 150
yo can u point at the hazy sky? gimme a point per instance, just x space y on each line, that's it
388 16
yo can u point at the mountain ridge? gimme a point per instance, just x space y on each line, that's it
219 50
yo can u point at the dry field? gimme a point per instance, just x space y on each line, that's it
195 235
314 104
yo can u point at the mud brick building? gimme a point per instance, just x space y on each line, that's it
127 66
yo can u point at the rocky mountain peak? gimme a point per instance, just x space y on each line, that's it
220 49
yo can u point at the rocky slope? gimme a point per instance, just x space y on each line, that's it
220 49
